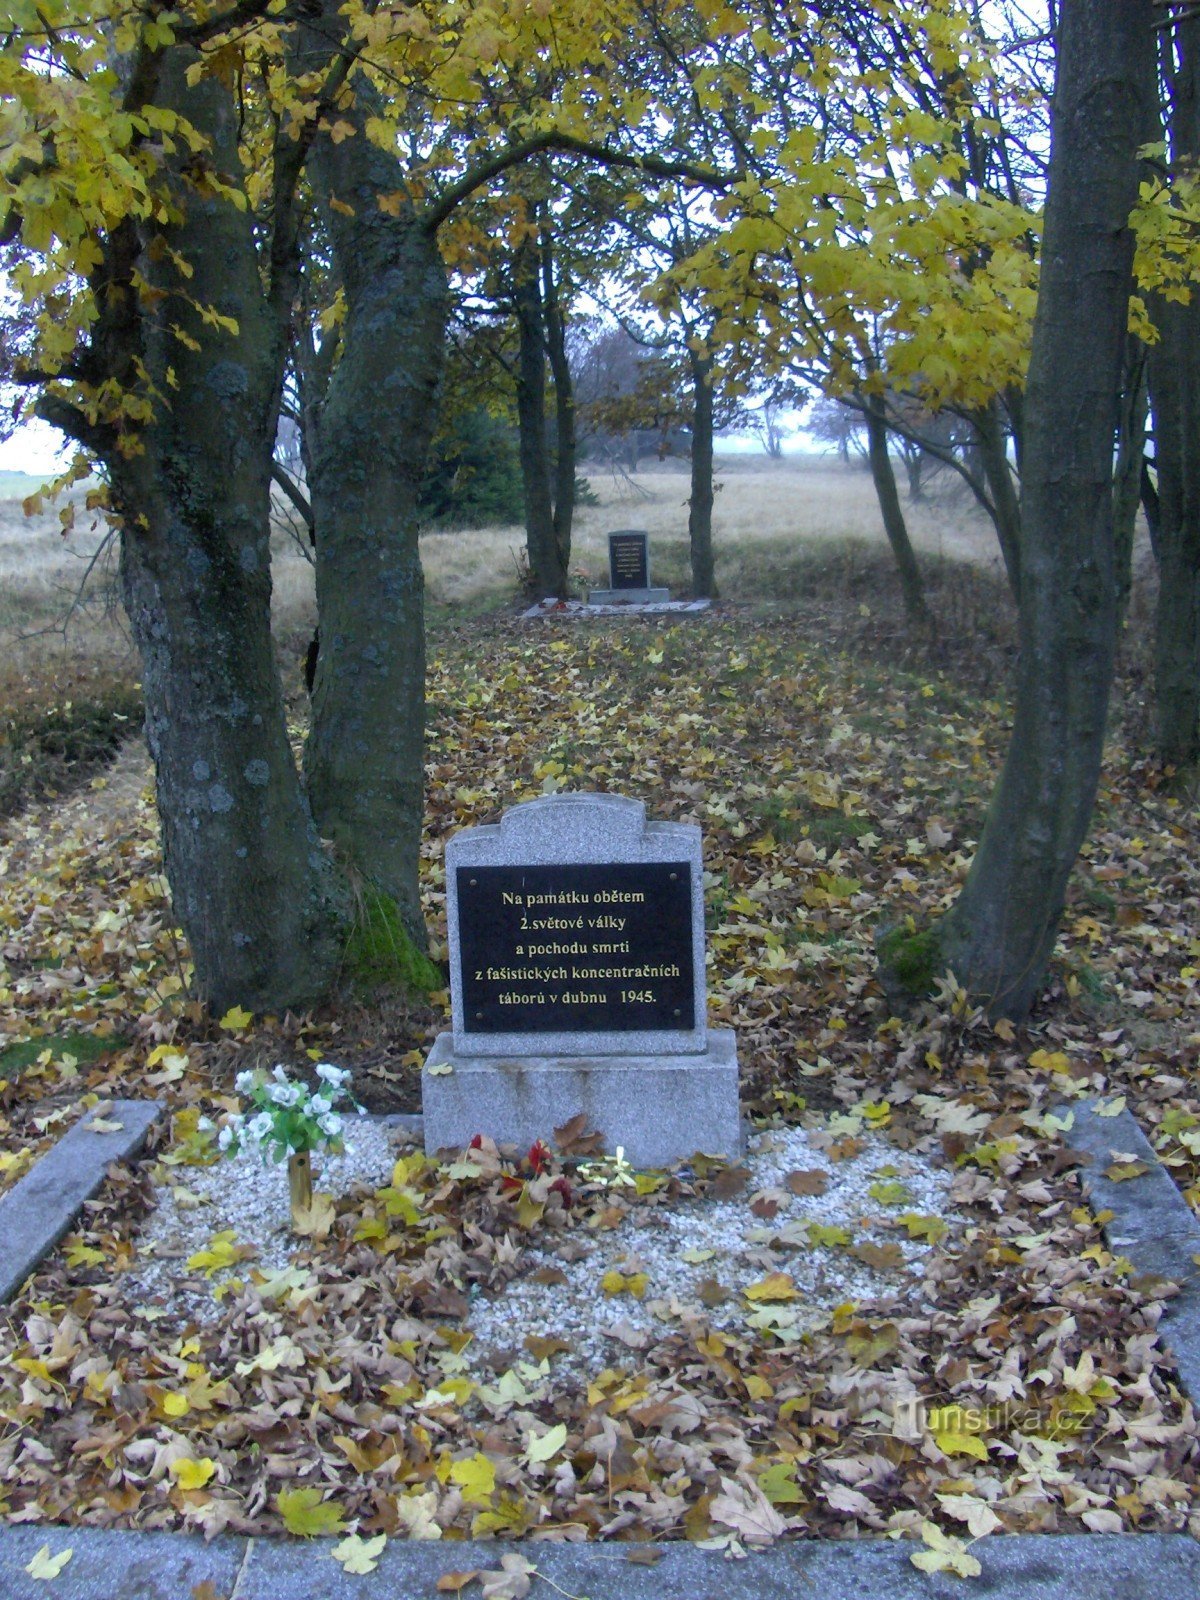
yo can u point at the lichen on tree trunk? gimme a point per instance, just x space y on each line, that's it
364 758
255 894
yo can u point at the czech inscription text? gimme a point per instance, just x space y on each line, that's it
574 948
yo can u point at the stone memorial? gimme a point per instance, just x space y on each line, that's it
577 986
628 572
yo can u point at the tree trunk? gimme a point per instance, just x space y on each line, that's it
998 936
250 885
546 568
1175 395
1127 473
700 504
894 525
1006 506
564 415
364 758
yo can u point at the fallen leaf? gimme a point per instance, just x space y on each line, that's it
358 1555
810 1180
47 1567
307 1513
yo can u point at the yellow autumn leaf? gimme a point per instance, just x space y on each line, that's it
775 1286
1050 1061
633 1283
547 1445
358 1555
175 1405
236 1020
192 1473
476 1477
47 1567
307 1513
221 1251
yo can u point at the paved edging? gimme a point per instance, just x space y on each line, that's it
1152 1224
111 1565
40 1208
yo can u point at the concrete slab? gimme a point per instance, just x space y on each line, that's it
1152 1224
578 608
658 1109
109 1565
37 1211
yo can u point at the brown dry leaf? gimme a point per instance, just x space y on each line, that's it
883 1257
511 1581
456 1582
644 1555
315 1221
573 1138
543 1348
730 1182
811 1180
748 1512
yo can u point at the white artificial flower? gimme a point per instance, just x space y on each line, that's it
260 1126
205 1125
244 1082
330 1124
225 1138
280 1074
320 1104
285 1094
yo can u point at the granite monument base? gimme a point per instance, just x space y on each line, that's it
628 597
658 1108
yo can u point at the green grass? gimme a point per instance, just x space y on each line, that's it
84 1048
792 817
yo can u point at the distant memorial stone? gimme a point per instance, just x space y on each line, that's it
577 985
628 572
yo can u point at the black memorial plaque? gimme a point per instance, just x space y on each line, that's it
628 561
576 949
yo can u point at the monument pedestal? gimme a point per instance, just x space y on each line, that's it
628 597
658 1108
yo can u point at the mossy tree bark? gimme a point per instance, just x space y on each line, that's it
250 885
998 936
894 525
1174 366
700 502
364 759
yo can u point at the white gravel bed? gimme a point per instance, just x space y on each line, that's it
251 1198
738 1249
698 1257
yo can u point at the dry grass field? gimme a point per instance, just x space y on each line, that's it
800 533
769 519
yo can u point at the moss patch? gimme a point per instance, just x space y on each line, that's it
380 951
909 961
83 1048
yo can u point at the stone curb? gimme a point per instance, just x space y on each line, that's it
37 1211
1152 1224
111 1565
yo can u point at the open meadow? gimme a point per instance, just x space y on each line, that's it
433 1361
